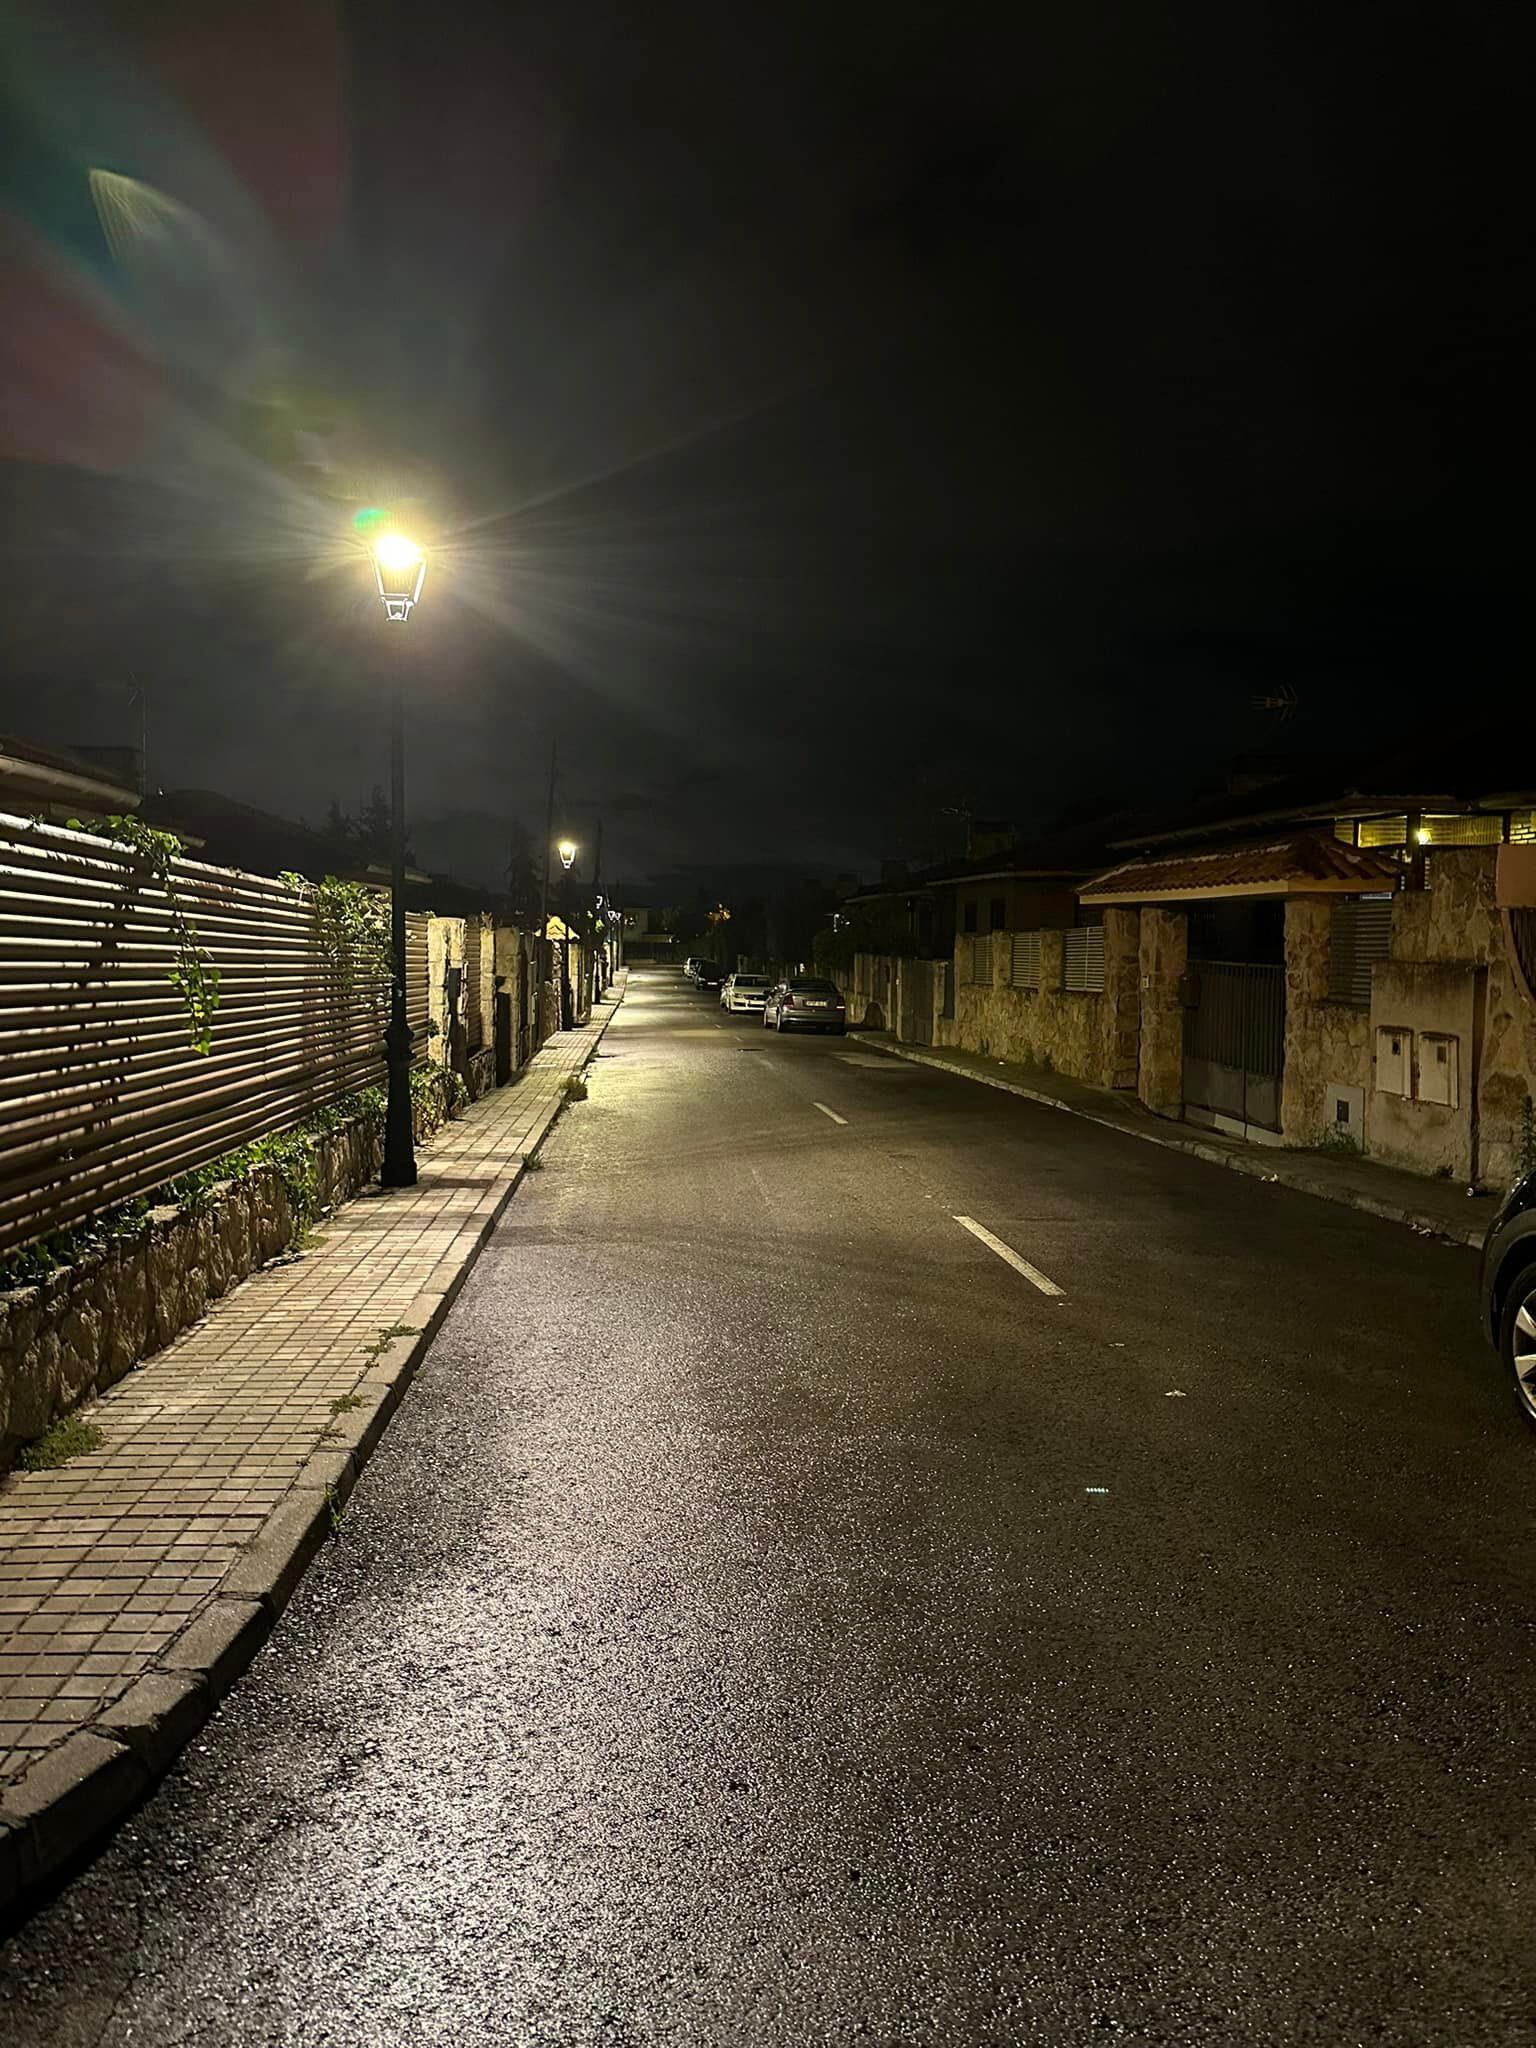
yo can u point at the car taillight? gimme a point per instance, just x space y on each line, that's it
788 1003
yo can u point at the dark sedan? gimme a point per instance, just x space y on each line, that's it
805 1003
1509 1289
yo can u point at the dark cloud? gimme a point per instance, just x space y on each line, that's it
833 414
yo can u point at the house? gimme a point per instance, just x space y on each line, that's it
60 783
1340 955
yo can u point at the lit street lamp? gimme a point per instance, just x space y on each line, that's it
400 566
567 850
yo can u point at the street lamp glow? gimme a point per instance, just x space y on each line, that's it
567 852
400 566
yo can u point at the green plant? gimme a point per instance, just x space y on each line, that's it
335 1509
194 976
386 1337
352 921
70 1437
1340 1141
574 1087
437 1093
288 1154
344 1402
1525 1143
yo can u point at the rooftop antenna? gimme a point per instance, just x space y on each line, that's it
1282 702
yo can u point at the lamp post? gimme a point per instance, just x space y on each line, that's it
567 852
400 566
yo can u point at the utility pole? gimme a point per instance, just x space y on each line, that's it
592 916
549 833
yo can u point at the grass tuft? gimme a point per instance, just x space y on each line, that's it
68 1438
575 1087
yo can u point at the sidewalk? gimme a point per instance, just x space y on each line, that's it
1440 1207
137 1582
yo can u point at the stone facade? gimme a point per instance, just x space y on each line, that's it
1456 920
77 1332
1164 955
1324 1041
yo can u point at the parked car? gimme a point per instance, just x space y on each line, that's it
692 965
744 992
709 975
805 1002
1509 1289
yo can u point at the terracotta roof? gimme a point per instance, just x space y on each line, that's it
1304 865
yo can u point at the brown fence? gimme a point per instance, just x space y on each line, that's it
101 1094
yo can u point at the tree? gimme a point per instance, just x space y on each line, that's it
367 836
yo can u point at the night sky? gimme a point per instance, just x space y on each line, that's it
830 419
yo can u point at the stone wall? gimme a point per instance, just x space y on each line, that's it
1324 1041
1081 1035
1164 954
1456 919
445 949
77 1332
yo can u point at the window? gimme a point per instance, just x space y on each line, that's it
1024 967
1483 828
969 923
1082 960
1383 831
1360 934
997 914
1522 828
981 963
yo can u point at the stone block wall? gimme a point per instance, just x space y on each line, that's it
1324 1041
1456 919
79 1331
1080 1035
1163 957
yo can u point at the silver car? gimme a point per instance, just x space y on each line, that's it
744 992
805 1002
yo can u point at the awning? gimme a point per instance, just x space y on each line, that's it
1305 865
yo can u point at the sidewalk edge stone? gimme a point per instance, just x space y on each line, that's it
1269 1165
68 1802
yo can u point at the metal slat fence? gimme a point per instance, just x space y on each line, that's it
101 1095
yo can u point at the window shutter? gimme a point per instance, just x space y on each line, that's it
1082 962
1024 968
1360 934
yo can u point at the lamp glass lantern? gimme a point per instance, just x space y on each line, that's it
567 852
400 566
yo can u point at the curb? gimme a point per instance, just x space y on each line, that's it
1269 1165
62 1807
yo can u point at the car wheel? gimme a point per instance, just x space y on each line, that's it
839 1030
1517 1338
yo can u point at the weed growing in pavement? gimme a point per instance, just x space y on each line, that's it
68 1438
1525 1144
387 1337
533 1163
575 1087
343 1402
335 1510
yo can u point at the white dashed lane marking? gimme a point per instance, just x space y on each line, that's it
829 1112
1009 1256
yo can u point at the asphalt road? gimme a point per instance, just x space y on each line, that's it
773 1618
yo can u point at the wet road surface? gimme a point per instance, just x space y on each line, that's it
775 1616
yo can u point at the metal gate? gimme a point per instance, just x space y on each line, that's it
1234 1046
915 1023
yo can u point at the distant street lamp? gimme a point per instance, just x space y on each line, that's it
567 850
400 566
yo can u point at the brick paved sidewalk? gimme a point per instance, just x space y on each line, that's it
116 1570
